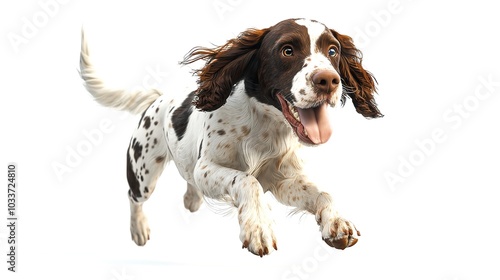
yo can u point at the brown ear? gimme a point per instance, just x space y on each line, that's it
357 83
225 65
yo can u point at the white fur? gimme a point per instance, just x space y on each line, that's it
134 101
315 29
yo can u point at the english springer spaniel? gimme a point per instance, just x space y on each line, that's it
259 97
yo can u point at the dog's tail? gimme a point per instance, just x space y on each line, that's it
133 101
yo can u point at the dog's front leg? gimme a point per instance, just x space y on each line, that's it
299 192
256 225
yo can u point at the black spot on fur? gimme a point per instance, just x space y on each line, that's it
234 180
221 132
146 190
180 117
199 151
132 180
157 109
137 150
147 122
155 141
132 196
171 109
142 116
156 122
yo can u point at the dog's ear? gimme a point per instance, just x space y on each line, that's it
357 83
225 65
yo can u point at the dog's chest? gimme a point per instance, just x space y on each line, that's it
244 135
247 137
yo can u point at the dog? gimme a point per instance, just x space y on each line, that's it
259 98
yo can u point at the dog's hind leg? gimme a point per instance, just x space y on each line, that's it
146 158
193 198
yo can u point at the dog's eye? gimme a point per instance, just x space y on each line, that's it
287 51
332 51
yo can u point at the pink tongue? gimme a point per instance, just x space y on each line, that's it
316 123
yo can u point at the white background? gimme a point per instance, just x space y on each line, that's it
439 221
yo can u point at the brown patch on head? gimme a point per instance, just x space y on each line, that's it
358 83
281 56
225 65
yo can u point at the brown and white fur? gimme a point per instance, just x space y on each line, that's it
260 97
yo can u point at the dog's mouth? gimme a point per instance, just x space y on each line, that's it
311 125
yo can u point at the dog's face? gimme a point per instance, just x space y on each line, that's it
299 66
298 73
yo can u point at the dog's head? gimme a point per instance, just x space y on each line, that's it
301 67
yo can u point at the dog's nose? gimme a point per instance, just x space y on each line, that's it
325 81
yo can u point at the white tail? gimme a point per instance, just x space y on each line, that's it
133 101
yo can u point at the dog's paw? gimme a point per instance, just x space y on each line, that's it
139 229
257 235
339 233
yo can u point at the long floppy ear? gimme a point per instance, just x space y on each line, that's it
225 65
358 83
